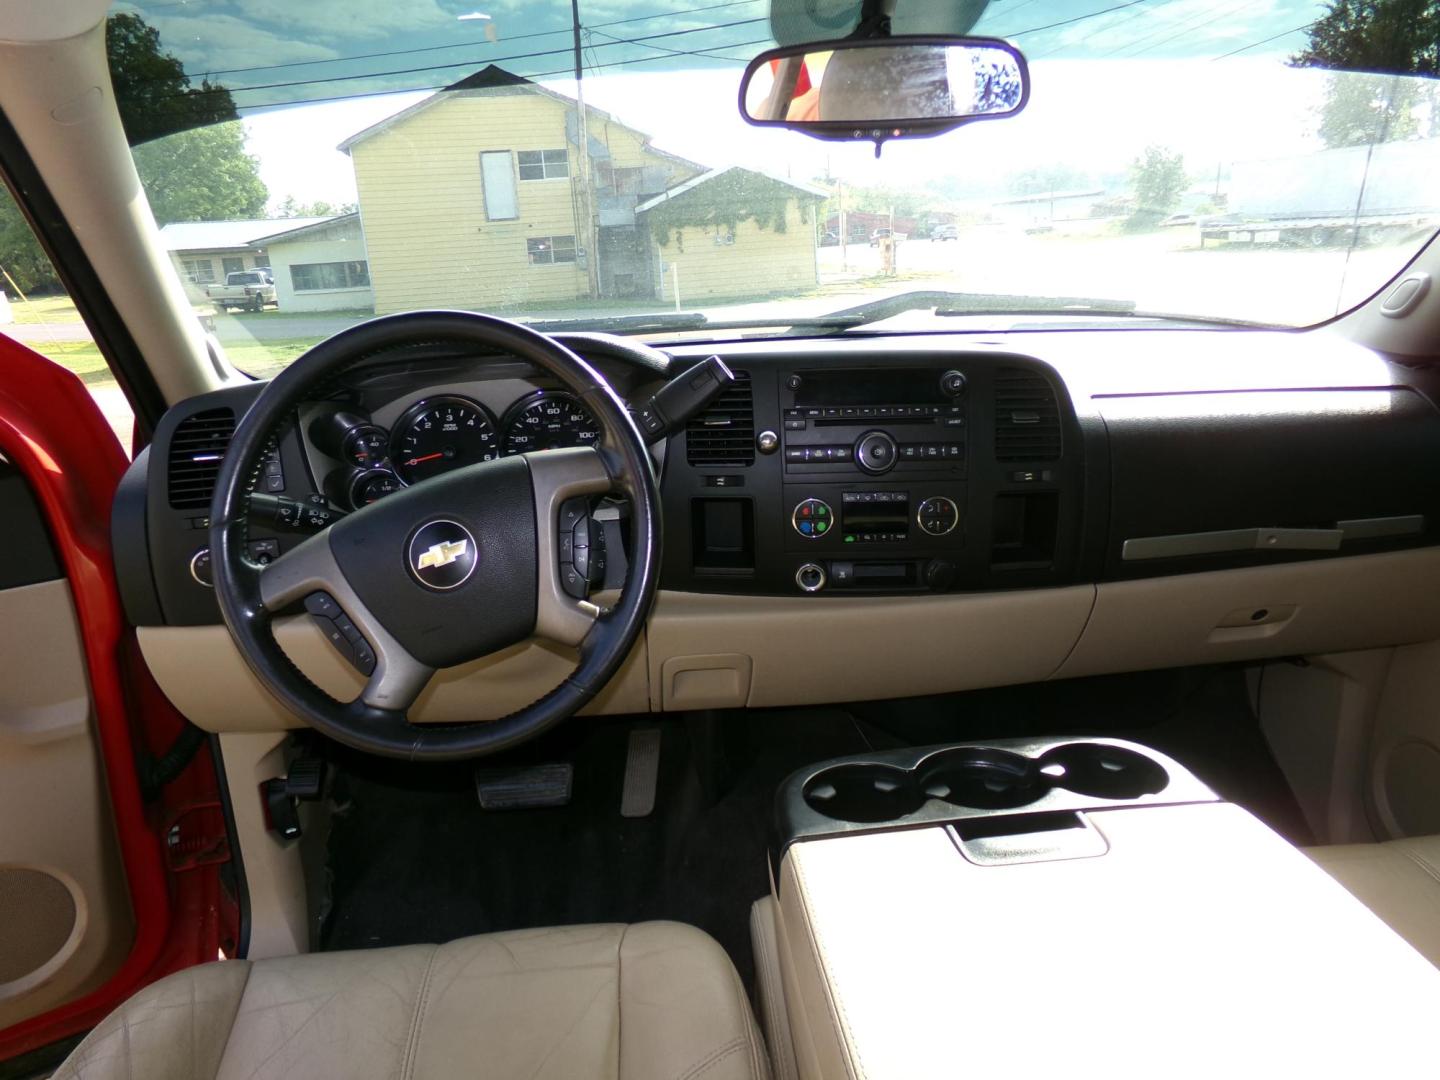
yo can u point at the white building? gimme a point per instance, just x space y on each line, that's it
205 251
320 265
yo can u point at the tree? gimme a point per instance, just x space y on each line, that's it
202 175
152 91
290 207
1369 43
1158 180
21 257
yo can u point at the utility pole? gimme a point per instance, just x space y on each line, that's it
586 208
844 239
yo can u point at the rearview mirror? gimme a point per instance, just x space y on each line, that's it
884 88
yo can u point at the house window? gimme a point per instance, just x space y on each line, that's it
199 271
543 164
232 266
544 250
311 277
499 182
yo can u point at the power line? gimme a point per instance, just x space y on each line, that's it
1266 41
1076 19
703 54
491 60
1170 31
1100 30
467 44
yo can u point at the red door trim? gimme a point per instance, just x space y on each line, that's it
51 429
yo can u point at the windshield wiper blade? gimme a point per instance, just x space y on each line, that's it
948 303
666 321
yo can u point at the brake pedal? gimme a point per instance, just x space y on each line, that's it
524 789
642 771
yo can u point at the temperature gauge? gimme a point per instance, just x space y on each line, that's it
366 486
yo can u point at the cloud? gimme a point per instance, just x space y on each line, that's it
337 20
221 42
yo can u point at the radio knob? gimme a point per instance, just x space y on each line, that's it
952 383
875 452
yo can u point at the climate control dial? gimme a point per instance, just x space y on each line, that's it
937 515
812 518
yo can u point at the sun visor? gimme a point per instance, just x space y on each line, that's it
794 22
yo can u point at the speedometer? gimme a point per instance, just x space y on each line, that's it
440 434
548 420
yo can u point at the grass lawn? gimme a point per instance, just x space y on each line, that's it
256 358
44 309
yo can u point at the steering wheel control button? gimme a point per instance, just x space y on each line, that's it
937 515
812 518
810 577
875 452
322 605
442 555
200 568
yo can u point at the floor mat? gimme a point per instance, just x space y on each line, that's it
412 857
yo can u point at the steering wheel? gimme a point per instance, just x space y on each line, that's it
449 570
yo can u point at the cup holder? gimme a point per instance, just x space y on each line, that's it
983 778
1103 772
863 793
980 778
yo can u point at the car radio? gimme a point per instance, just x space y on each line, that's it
840 421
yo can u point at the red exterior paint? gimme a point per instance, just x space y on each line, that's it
51 429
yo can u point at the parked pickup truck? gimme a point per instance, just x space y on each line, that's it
248 289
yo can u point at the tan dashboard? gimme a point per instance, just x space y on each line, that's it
707 651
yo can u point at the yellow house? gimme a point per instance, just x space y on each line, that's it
475 198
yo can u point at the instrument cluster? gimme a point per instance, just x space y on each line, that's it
441 433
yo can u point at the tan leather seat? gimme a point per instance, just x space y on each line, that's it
653 1000
1398 880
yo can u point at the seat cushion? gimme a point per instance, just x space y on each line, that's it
652 1000
1398 880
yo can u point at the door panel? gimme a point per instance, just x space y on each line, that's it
65 919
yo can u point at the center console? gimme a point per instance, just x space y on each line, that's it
1073 907
891 478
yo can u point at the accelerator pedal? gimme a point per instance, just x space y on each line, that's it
642 771
528 788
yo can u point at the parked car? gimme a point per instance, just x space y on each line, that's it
249 290
945 232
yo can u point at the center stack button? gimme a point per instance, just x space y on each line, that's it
812 518
875 452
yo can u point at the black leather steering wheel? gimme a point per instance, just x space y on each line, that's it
446 571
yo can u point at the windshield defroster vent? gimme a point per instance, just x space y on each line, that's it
195 451
1027 418
724 434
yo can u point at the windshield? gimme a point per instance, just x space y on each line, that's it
1177 158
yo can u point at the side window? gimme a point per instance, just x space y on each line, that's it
35 311
313 277
543 164
499 182
544 250
199 271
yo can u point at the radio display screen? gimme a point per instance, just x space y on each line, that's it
896 386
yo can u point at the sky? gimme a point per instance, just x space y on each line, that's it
1206 77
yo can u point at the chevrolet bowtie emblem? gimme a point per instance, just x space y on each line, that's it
442 554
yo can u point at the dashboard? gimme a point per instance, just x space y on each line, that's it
960 509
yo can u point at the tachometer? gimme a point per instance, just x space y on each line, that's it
548 420
440 434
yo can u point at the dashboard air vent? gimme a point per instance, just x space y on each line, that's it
1027 418
195 451
724 434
